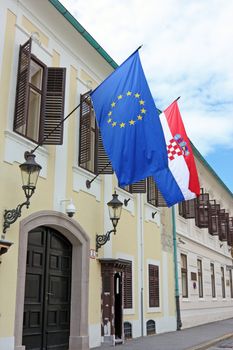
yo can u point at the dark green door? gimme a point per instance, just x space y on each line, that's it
47 291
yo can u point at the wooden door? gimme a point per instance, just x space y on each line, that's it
47 291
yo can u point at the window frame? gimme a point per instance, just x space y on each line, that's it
200 278
212 279
223 284
128 286
153 286
184 275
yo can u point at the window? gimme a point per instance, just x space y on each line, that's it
154 197
150 327
200 279
128 330
202 210
187 209
184 276
223 283
40 95
137 187
128 288
92 155
212 276
231 283
153 285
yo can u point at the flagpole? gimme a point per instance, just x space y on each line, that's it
177 294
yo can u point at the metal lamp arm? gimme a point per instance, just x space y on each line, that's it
10 216
102 239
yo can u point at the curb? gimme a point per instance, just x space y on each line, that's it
210 343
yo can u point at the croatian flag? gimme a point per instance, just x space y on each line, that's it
179 181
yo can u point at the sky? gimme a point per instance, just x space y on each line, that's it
187 51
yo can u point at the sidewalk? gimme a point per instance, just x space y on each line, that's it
196 338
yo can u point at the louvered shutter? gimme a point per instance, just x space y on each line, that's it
153 286
154 196
187 208
85 129
138 187
22 89
230 233
202 217
53 110
223 224
102 160
213 211
128 297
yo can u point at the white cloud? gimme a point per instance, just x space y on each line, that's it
187 52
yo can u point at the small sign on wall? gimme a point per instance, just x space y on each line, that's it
92 254
193 276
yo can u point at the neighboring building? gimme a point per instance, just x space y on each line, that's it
55 290
205 239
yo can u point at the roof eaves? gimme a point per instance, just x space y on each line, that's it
83 32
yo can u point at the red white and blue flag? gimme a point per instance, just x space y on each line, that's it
179 181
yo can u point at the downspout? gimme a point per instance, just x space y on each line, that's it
177 295
142 265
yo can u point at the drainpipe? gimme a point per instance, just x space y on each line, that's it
142 263
177 296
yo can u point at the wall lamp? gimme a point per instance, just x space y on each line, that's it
114 207
30 171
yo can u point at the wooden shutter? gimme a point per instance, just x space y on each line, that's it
53 110
22 89
138 187
213 211
201 217
102 159
128 295
187 209
154 197
223 224
153 286
85 129
230 232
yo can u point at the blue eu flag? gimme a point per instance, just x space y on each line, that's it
129 123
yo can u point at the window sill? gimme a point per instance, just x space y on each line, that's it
151 310
128 311
80 176
16 146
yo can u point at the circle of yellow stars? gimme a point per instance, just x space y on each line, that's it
132 121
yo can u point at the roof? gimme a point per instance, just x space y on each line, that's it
112 63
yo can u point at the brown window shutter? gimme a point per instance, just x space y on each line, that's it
101 157
223 224
22 89
53 110
187 208
213 225
85 129
230 234
128 295
153 286
154 196
202 210
138 187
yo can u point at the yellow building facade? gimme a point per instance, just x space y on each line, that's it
56 290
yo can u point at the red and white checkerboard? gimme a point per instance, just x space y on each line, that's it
173 149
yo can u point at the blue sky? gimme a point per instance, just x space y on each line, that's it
187 51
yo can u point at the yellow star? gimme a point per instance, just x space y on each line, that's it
119 97
139 117
132 122
109 120
129 93
109 113
137 95
141 102
122 125
113 104
114 124
143 111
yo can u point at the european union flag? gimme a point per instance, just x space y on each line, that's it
129 123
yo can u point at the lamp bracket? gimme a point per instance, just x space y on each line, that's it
103 239
10 216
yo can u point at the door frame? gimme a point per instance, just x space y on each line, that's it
79 276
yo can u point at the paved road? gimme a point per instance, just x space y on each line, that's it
196 338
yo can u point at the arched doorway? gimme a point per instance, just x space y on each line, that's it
46 322
72 232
